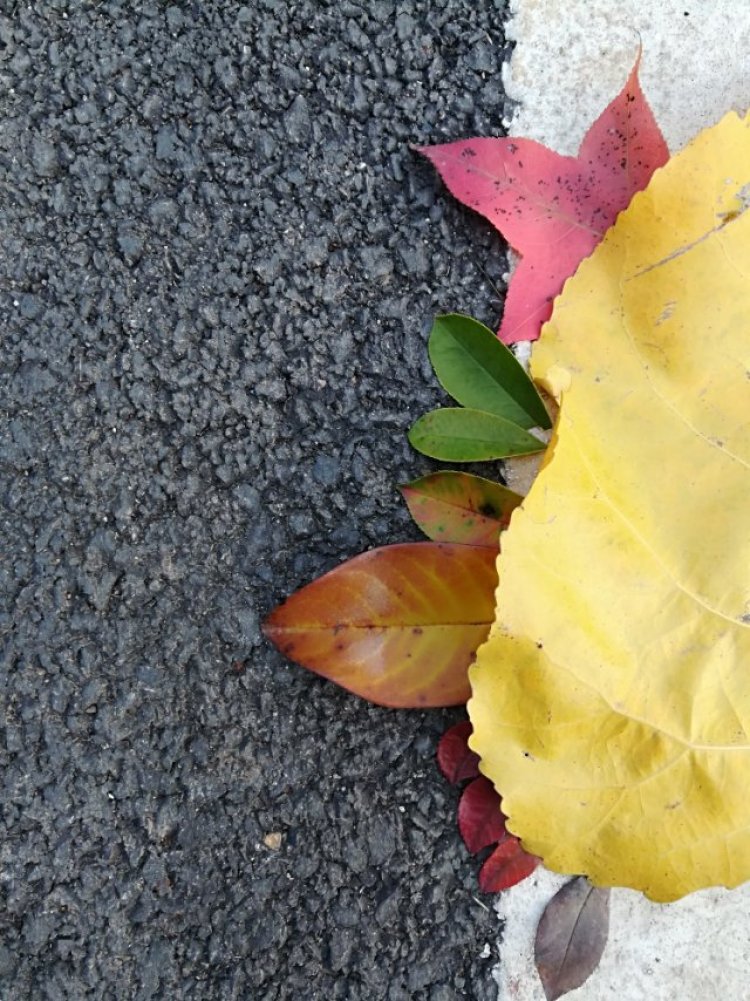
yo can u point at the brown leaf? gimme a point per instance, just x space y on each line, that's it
571 936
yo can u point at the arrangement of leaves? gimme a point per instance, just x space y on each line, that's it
499 403
607 701
400 625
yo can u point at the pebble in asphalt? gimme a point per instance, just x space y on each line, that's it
219 263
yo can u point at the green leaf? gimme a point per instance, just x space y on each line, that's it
450 506
478 371
458 435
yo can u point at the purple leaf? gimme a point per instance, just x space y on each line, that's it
571 936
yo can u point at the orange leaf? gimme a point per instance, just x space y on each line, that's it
397 625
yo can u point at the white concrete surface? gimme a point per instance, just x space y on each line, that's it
697 949
571 58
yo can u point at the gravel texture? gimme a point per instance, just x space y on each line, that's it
219 264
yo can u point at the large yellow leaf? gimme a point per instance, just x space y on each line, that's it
611 703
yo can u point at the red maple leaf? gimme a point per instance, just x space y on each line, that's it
553 209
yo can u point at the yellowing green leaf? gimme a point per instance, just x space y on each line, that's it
450 506
611 703
397 625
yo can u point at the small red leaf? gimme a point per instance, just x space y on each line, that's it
480 819
452 506
571 936
554 209
397 625
454 757
506 866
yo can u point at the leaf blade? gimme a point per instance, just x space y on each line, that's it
455 759
480 820
624 589
507 865
479 372
456 434
451 506
624 146
571 937
554 209
397 625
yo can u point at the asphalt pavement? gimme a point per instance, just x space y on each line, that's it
219 263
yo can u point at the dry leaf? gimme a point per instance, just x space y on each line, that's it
611 703
571 937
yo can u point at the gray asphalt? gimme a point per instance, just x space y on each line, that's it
219 262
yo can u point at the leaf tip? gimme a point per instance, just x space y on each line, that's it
269 625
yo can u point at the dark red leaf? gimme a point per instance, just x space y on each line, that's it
506 866
571 936
480 819
455 759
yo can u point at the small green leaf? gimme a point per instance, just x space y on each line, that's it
458 435
451 506
478 371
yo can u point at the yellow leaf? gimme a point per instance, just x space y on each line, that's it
611 703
